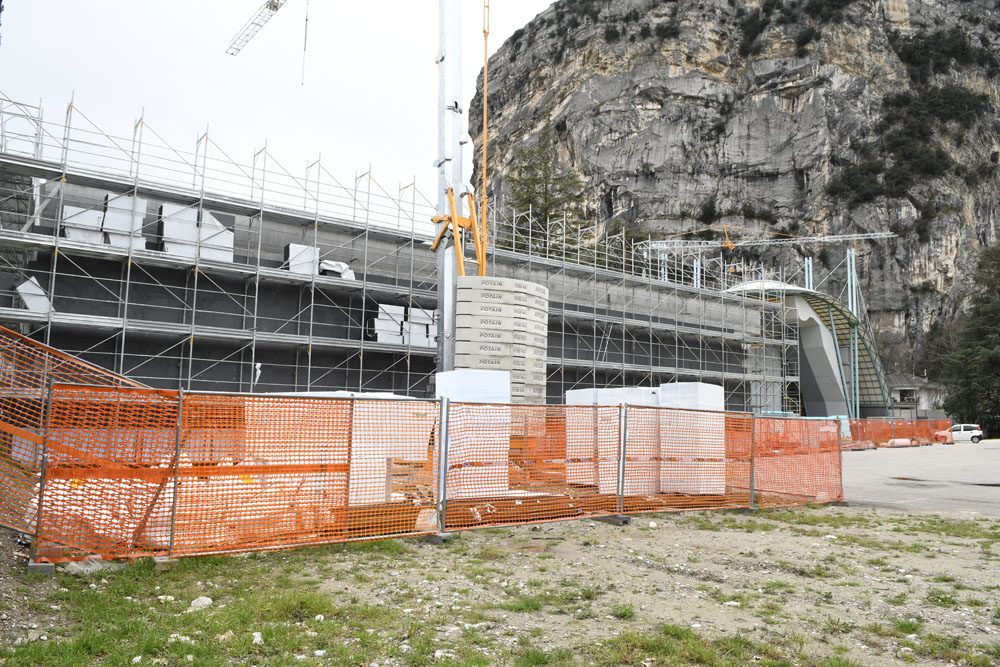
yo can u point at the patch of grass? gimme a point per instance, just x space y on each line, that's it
835 626
530 656
383 547
897 600
951 648
907 626
623 611
523 603
675 645
699 521
877 562
943 579
940 598
490 553
745 600
778 587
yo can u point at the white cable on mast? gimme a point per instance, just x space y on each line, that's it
305 44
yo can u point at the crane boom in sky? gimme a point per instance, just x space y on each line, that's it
253 26
676 243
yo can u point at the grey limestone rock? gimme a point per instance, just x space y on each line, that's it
663 107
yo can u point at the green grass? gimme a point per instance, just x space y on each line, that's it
623 612
675 645
940 598
383 547
524 603
907 626
897 600
778 587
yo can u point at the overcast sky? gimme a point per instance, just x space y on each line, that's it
370 91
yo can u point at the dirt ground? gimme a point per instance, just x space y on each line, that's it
830 585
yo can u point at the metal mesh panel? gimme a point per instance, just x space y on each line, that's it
527 464
796 461
26 369
267 472
129 472
684 459
875 433
107 475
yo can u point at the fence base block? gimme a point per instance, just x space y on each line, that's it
744 510
615 519
48 569
163 563
439 538
838 503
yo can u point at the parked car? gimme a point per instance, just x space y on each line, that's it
960 433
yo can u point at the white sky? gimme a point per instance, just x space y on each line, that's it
370 93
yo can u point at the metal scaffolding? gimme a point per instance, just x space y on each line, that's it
243 314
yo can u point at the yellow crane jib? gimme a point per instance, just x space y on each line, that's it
457 224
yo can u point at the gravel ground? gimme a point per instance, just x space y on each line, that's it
831 585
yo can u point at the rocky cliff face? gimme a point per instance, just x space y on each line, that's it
803 116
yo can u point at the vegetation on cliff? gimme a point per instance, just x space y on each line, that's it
970 370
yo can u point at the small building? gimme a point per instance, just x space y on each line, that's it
915 397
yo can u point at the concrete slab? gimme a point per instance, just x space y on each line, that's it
957 478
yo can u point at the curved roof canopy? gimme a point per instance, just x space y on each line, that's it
873 384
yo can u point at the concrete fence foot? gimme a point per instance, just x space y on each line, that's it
48 569
163 563
615 519
439 538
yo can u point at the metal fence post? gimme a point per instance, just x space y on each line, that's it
892 426
622 438
177 479
42 468
442 468
753 461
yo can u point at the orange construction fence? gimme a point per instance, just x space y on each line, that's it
92 463
129 472
875 433
27 368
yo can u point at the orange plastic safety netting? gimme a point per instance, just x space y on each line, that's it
796 461
875 433
686 459
27 368
144 472
132 472
108 475
527 464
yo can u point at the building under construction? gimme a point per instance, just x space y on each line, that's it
186 269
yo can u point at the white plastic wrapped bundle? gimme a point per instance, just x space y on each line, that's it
693 444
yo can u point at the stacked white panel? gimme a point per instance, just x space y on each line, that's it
302 259
694 441
388 326
81 224
122 223
179 230
216 241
